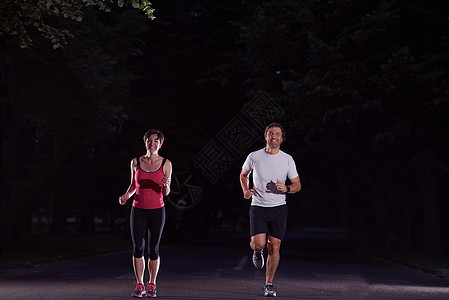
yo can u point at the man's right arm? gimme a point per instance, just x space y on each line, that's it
244 182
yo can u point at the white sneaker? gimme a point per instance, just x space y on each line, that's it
268 290
258 260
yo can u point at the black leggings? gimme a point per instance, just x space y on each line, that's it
143 222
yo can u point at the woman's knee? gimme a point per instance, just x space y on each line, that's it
154 254
138 252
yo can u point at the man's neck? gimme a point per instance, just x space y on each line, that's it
271 151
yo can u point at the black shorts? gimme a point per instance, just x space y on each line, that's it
268 220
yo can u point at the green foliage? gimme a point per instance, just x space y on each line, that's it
19 17
361 89
61 108
39 248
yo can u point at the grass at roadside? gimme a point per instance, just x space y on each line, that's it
40 248
415 258
45 247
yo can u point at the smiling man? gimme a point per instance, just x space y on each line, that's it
268 212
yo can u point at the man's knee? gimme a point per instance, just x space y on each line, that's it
257 246
258 242
273 245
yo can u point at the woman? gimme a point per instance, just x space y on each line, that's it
150 182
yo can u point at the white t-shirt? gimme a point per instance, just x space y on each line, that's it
266 169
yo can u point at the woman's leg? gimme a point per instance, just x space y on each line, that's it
139 268
153 269
156 226
138 225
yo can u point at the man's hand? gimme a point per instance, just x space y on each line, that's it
280 186
248 193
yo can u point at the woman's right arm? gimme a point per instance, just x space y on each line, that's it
132 186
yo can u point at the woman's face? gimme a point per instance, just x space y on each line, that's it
153 144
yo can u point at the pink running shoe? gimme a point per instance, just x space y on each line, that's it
139 291
152 291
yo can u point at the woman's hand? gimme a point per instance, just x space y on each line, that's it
166 181
122 199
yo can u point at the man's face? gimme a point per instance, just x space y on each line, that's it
274 137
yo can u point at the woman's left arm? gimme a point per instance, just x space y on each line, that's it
167 169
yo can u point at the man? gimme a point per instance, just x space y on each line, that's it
268 212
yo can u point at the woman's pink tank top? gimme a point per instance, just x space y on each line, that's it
148 188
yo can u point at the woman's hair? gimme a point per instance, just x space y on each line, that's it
274 124
160 135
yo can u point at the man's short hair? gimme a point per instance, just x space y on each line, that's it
275 124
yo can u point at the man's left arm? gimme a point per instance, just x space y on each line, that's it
295 185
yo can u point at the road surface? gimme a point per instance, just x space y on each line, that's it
221 268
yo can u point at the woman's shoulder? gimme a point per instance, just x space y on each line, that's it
166 161
166 164
135 161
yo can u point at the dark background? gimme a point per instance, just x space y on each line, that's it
362 86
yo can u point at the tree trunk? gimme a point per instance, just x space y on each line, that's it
58 194
427 180
16 201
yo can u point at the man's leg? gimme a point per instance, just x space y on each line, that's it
273 246
258 242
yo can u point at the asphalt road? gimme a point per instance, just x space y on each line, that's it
221 268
